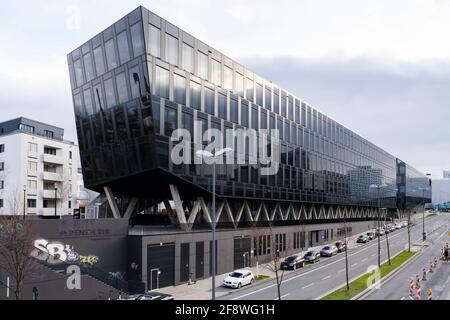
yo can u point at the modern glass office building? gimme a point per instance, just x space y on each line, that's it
140 79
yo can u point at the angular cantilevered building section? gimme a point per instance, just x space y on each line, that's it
142 78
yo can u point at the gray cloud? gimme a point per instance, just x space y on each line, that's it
401 107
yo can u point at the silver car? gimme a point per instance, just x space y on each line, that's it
328 251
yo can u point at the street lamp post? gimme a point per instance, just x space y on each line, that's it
56 189
213 157
378 188
424 237
24 200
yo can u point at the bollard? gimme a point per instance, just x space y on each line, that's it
418 294
431 267
411 288
417 281
430 294
435 262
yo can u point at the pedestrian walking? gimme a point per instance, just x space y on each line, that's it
446 253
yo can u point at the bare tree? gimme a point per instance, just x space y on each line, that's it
16 202
387 239
276 250
16 245
346 254
409 230
64 189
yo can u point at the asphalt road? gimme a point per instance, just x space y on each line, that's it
328 274
397 287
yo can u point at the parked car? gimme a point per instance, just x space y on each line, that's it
362 239
405 223
397 225
379 232
371 235
154 296
340 246
312 256
293 262
239 278
328 251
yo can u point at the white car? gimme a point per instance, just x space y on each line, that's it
239 278
398 225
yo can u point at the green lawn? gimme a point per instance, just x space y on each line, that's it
360 284
261 277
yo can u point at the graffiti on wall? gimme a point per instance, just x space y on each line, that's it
56 252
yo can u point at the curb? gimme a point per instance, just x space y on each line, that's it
366 291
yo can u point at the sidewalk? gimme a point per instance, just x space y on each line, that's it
201 290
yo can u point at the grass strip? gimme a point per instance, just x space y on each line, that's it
360 284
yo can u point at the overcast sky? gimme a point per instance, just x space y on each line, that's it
381 68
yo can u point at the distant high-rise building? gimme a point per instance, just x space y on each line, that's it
446 174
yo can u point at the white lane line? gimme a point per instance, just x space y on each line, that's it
309 285
283 296
313 270
342 270
327 277
374 255
365 259
353 265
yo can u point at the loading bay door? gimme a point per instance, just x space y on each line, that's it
160 266
242 252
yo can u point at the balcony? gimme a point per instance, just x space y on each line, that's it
32 210
51 176
49 158
49 194
32 154
32 192
32 173
48 211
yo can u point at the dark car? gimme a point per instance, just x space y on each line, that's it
371 235
340 246
154 296
362 239
312 256
293 263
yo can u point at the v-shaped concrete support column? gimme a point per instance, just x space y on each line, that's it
112 202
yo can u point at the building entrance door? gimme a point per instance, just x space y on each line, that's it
154 279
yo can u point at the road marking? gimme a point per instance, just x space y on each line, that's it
309 285
365 259
342 270
353 265
318 268
283 296
327 277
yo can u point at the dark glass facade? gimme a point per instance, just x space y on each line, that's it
142 78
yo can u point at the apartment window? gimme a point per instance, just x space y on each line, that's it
32 166
49 150
70 154
49 134
31 203
32 147
98 59
202 65
1 203
136 39
70 204
2 148
111 60
2 184
171 49
32 184
155 41
195 95
179 89
216 72
188 58
88 68
2 166
26 128
162 82
50 168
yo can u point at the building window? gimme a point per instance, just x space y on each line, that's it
1 203
259 94
155 41
70 204
98 59
136 39
98 97
249 88
78 72
195 93
2 148
31 203
202 65
122 88
26 128
49 150
179 89
209 101
49 134
228 78
188 58
111 60
171 49
240 84
170 121
110 95
2 184
88 68
216 72
244 114
162 82
32 184
134 84
234 106
122 43
2 166
255 118
222 99
88 102
276 102
32 166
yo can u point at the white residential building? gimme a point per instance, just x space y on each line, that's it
38 170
